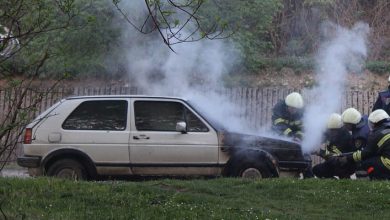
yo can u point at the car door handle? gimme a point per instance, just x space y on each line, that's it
140 137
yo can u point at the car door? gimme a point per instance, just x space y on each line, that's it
157 148
100 128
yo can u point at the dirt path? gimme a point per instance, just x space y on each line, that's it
6 172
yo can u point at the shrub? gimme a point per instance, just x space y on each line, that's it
378 67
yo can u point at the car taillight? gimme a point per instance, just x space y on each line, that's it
27 136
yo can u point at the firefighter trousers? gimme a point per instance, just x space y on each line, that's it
375 168
329 169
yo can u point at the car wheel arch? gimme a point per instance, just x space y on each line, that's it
74 154
251 156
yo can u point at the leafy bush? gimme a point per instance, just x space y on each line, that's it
251 22
379 67
298 64
79 48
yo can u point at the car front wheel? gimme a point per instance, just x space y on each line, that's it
251 164
251 173
256 170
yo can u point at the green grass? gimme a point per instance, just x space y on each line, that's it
45 198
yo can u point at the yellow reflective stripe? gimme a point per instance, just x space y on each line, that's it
357 156
299 134
287 131
298 122
383 140
327 153
279 120
336 150
386 162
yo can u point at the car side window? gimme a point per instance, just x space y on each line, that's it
163 116
194 124
98 115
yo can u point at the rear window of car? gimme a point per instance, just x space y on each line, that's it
163 116
98 115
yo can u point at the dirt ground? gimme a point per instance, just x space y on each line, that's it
288 78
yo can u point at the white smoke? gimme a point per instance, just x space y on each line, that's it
8 43
193 71
343 51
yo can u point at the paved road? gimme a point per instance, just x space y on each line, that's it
14 173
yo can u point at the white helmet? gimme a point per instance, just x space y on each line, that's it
388 79
351 116
334 121
294 99
378 115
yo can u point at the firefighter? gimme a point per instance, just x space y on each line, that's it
375 158
358 125
287 116
383 100
337 141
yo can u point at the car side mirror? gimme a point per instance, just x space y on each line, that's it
181 126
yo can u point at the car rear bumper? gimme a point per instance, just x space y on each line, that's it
29 161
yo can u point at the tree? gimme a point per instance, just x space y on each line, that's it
23 24
176 21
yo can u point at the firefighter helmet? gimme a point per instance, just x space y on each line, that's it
294 99
334 121
377 116
351 115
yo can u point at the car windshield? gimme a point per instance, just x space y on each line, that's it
206 115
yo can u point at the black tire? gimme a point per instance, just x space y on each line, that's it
249 165
68 169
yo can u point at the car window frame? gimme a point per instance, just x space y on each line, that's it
185 108
126 115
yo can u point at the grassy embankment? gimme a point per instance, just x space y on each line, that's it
45 198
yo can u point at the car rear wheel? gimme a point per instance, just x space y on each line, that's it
67 169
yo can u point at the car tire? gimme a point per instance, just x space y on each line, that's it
252 166
68 169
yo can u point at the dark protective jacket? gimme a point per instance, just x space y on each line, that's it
360 133
285 123
337 142
383 101
378 145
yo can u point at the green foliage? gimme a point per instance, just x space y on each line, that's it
78 46
82 46
222 198
379 67
298 64
319 2
251 22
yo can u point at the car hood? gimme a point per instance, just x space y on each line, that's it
283 150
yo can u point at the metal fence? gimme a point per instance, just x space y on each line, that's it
255 103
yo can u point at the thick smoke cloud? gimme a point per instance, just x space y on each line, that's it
193 71
343 51
8 44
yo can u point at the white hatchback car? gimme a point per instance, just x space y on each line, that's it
94 136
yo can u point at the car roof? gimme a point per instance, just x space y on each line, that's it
213 123
124 96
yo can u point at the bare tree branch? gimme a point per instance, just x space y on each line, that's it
171 30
